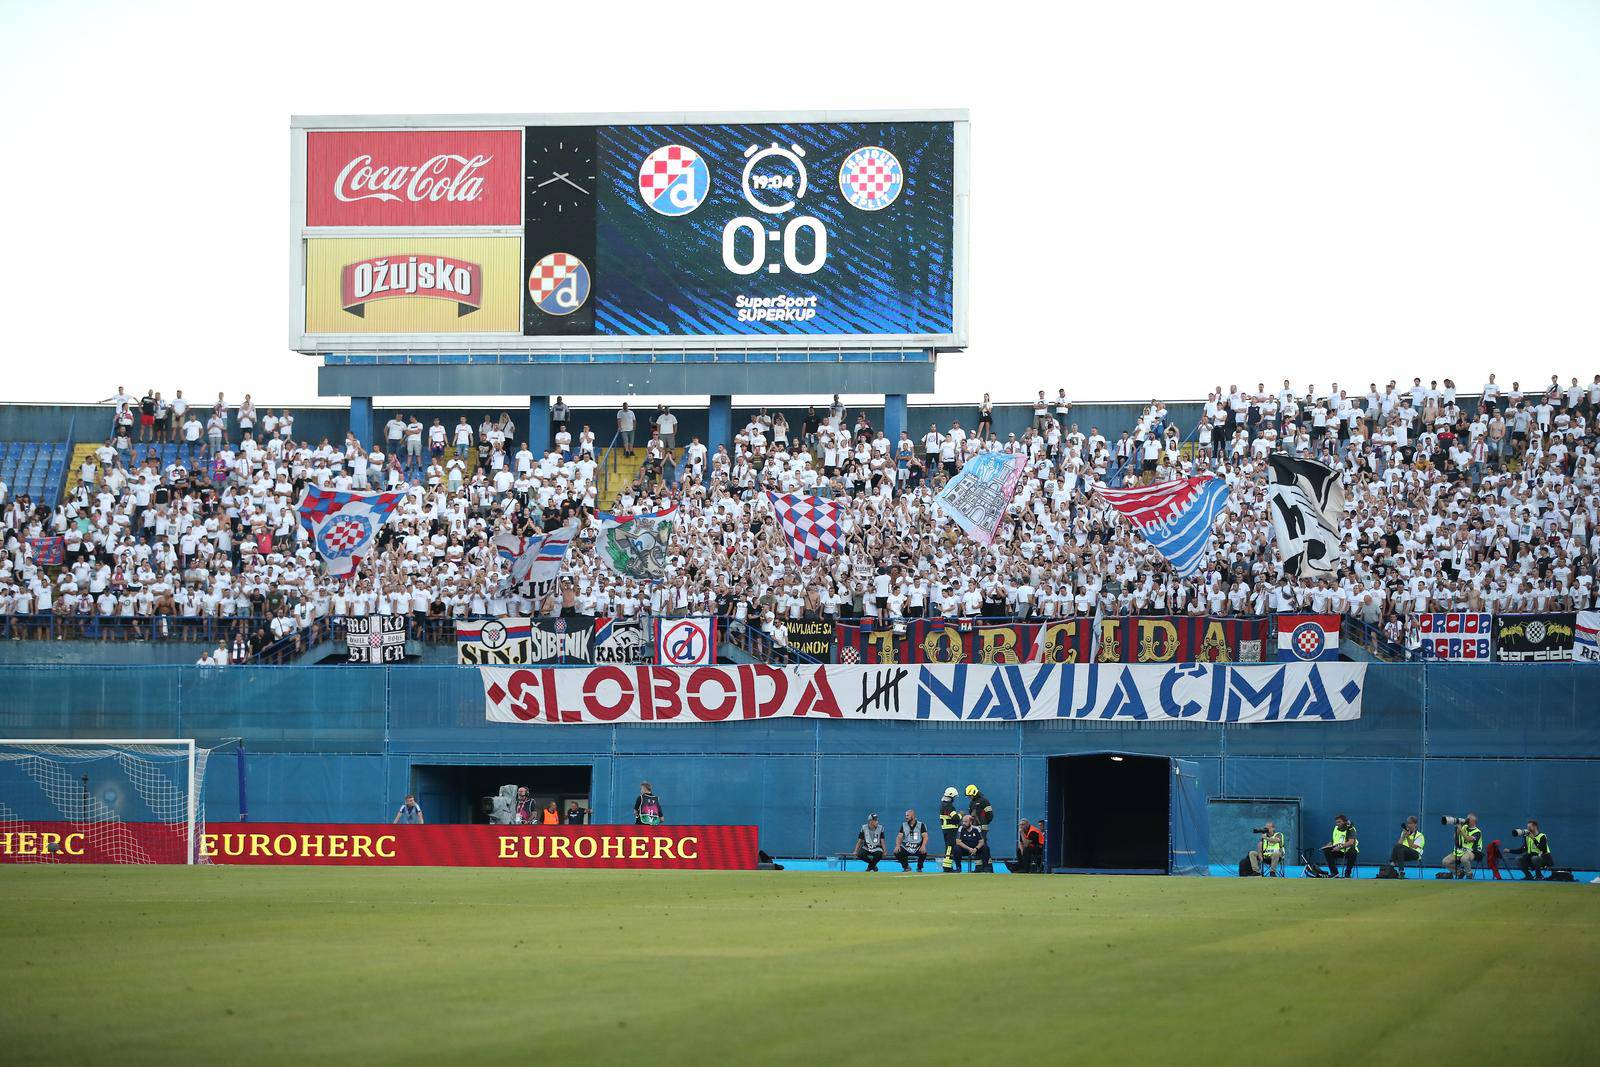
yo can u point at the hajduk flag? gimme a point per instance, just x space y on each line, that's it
635 546
534 559
1586 637
812 524
1308 637
1175 517
1307 502
977 496
344 525
49 551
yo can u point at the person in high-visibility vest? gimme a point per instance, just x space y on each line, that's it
1409 848
1343 846
949 824
1469 845
1269 852
1535 849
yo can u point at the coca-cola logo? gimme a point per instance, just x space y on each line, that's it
409 178
450 178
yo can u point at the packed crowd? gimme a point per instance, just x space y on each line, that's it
1484 505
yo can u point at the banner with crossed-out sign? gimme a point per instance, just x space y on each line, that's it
1190 692
686 642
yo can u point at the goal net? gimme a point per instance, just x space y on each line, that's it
105 801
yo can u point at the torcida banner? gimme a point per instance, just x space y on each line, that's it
414 178
413 285
1187 692
685 848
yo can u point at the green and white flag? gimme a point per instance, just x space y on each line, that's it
636 546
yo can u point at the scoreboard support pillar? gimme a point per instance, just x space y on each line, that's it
719 428
894 418
539 424
361 419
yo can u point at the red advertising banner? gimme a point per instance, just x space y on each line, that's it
414 178
677 848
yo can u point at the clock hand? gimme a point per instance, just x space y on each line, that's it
558 178
574 184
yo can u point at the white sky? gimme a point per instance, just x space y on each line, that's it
1165 197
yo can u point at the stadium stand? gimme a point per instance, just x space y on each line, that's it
1453 503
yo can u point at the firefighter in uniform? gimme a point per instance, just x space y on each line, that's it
1535 849
979 808
949 823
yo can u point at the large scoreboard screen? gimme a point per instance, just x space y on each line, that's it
725 233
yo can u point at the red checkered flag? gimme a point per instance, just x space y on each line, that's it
812 524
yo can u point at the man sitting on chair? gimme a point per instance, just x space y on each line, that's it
1469 846
1535 850
1409 848
1269 851
1344 845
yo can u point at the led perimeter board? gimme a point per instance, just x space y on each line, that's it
506 233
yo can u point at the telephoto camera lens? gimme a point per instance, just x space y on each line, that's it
1518 833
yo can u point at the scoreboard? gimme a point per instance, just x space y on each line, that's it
508 233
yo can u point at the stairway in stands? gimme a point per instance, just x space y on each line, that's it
613 482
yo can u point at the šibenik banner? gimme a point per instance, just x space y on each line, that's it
1189 692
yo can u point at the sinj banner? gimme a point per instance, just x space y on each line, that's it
1188 692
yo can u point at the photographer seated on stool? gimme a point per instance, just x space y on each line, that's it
1535 850
1344 845
1469 845
869 842
1269 851
1409 848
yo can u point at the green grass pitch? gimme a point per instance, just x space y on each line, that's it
237 965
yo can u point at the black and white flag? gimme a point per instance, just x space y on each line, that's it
376 638
1307 501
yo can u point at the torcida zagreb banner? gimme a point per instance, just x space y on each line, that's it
687 848
1188 692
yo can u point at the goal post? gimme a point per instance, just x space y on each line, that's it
102 800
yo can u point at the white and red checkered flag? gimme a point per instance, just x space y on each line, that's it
344 525
812 524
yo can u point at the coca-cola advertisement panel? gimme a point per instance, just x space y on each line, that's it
400 285
414 178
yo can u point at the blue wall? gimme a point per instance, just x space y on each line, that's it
338 744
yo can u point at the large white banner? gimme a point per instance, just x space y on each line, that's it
1189 692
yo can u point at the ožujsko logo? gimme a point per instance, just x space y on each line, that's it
559 283
673 180
871 179
432 277
451 178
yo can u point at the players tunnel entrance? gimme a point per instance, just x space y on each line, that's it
454 793
1125 813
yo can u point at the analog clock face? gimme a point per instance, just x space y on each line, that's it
561 178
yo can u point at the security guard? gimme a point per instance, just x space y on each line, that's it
979 808
1409 848
949 824
1269 852
1535 849
1469 845
1344 845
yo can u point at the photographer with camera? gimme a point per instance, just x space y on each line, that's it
1535 850
1409 848
1269 851
1344 845
1469 844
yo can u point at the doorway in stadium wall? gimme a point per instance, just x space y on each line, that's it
465 793
1126 813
